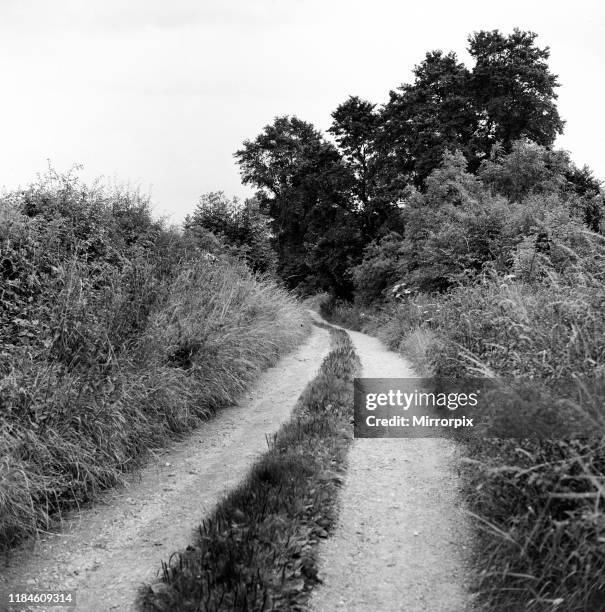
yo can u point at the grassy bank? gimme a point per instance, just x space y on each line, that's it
258 550
538 505
502 275
117 333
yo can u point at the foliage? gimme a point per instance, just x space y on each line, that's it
305 189
243 227
379 270
509 94
355 127
116 333
328 203
528 169
450 232
354 193
354 124
463 225
513 89
424 119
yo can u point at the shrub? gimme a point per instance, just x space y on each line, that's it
116 333
242 227
379 270
460 227
528 169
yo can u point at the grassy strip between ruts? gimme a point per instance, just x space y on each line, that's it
258 550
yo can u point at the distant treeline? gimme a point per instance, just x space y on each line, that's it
495 123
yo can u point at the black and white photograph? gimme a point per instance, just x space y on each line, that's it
302 306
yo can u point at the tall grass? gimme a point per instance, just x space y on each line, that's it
117 334
538 505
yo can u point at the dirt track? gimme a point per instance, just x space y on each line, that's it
105 552
402 535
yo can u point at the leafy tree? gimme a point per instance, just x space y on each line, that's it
451 183
243 227
508 95
520 204
583 180
423 120
513 90
588 189
530 170
436 251
356 126
589 192
452 231
306 189
527 169
393 171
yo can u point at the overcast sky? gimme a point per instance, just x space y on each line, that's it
161 93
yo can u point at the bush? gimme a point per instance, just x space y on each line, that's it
380 269
243 228
116 333
515 285
460 226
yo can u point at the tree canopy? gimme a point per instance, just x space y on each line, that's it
513 89
306 188
242 228
453 131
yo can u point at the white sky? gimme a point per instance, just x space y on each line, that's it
161 93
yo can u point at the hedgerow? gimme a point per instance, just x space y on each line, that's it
116 333
531 315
